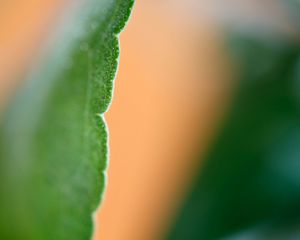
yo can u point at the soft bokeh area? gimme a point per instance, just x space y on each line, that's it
204 123
170 91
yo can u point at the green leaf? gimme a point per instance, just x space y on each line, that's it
53 139
249 186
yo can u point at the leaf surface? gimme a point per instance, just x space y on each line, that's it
53 139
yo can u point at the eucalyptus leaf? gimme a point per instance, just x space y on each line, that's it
53 139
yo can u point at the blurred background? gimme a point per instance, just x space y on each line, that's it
204 124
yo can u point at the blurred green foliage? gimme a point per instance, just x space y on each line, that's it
53 140
249 186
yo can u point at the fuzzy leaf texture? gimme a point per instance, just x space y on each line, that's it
53 139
